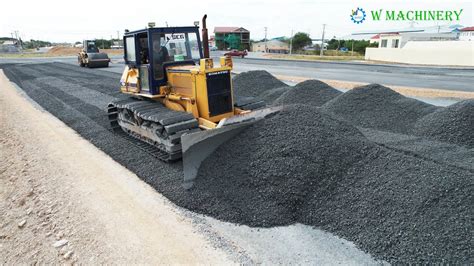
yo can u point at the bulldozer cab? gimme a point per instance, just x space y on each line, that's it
152 50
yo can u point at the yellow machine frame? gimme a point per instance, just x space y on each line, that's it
186 90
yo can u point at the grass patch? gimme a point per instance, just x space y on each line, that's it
317 57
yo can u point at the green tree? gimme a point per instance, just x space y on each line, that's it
35 44
103 44
359 46
375 44
334 44
300 40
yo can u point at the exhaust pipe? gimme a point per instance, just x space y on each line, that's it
205 38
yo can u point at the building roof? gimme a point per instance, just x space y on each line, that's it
358 37
229 29
429 29
375 37
273 41
467 29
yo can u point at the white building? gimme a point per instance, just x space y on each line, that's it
10 42
399 39
272 46
466 34
437 45
10 46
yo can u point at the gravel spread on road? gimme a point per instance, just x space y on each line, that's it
304 165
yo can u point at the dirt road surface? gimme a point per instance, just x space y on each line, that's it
61 200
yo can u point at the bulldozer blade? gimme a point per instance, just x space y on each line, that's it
198 146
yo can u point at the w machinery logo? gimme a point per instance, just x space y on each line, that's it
358 15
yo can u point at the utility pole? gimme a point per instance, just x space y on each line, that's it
322 41
17 36
291 41
118 36
265 39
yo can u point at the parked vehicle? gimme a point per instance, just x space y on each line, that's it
236 53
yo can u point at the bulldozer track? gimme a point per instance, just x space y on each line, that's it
151 117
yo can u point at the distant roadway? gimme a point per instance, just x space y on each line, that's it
398 75
460 79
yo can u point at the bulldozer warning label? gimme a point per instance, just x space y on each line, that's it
217 73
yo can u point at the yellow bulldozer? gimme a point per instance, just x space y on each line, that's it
181 101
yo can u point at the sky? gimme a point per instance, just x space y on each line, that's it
70 21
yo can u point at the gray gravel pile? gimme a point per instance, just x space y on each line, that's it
399 208
304 166
376 106
269 96
254 83
312 92
454 124
301 165
264 175
429 149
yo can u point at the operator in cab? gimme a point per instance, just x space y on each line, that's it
91 48
160 56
